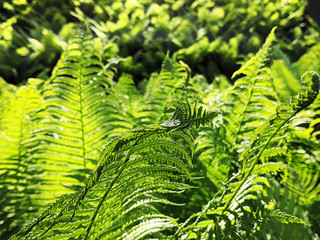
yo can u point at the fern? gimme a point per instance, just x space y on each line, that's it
273 132
251 154
171 83
252 97
128 162
19 180
264 155
7 92
76 99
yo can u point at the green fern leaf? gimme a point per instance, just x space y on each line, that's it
7 92
76 99
278 216
252 99
144 158
19 178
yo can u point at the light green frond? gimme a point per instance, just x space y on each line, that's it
252 99
122 188
259 60
285 82
19 176
7 92
170 84
76 99
282 217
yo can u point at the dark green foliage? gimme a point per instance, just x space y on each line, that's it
210 36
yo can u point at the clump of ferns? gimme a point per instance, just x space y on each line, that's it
241 198
131 171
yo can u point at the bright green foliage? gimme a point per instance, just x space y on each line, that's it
116 145
19 176
263 152
6 94
129 162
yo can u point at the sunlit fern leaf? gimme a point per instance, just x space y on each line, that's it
284 81
282 217
7 92
147 227
19 180
76 99
133 172
247 191
273 133
259 60
252 99
310 60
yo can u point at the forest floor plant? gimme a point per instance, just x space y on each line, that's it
232 162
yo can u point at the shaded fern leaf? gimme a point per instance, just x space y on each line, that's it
185 116
131 173
305 184
127 107
212 150
261 160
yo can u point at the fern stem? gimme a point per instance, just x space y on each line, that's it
81 109
242 115
94 216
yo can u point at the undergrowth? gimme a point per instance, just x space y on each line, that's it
87 154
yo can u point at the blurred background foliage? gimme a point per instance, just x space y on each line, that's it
212 37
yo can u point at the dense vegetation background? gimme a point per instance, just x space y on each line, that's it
86 150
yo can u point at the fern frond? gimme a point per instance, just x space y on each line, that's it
254 179
303 100
285 82
76 100
304 184
171 83
259 60
187 116
278 216
273 132
252 99
213 152
7 92
130 174
19 178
